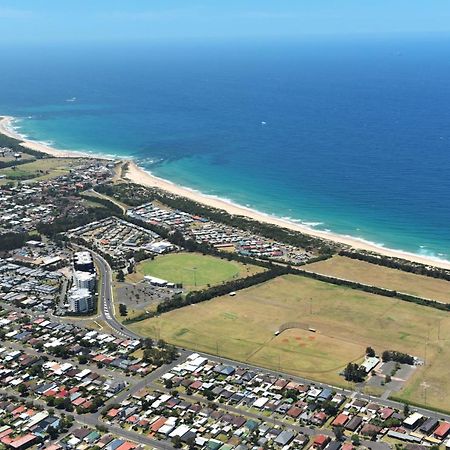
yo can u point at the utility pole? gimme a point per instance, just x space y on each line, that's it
194 270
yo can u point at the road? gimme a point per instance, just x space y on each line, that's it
106 301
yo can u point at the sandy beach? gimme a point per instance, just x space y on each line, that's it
140 176
7 128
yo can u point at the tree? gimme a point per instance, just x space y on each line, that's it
120 276
406 410
354 373
330 408
176 441
355 439
370 352
147 343
392 355
23 390
209 395
339 433
52 432
123 311
82 359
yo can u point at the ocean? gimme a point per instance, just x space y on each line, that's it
349 135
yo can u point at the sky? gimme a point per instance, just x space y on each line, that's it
44 21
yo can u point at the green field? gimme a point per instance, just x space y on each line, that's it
193 270
346 320
40 169
367 273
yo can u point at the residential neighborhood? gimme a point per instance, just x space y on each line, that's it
219 236
217 405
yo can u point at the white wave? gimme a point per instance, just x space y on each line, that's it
313 224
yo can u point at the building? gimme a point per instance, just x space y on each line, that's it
80 300
413 421
82 261
370 363
84 280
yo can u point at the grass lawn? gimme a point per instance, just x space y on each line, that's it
40 169
194 270
367 273
346 320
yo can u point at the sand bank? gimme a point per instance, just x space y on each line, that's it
140 176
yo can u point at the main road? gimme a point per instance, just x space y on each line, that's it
106 300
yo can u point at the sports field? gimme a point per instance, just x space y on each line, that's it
364 272
193 270
346 322
40 169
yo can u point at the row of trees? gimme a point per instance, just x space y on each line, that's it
372 289
104 202
393 355
67 222
10 241
193 297
397 263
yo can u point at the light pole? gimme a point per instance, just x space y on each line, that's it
194 270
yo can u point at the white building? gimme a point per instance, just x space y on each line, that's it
80 300
83 261
84 280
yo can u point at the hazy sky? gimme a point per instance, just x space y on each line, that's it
89 20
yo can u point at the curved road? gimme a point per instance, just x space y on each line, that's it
106 300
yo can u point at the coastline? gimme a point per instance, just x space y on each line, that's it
140 176
7 128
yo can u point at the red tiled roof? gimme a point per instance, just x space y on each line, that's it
442 430
126 446
79 401
6 433
340 420
385 413
321 439
19 442
157 424
113 412
294 412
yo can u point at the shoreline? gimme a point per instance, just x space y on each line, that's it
7 128
140 176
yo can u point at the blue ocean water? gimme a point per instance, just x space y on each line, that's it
351 136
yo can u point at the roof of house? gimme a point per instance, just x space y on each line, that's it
442 430
24 440
340 420
321 439
126 446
